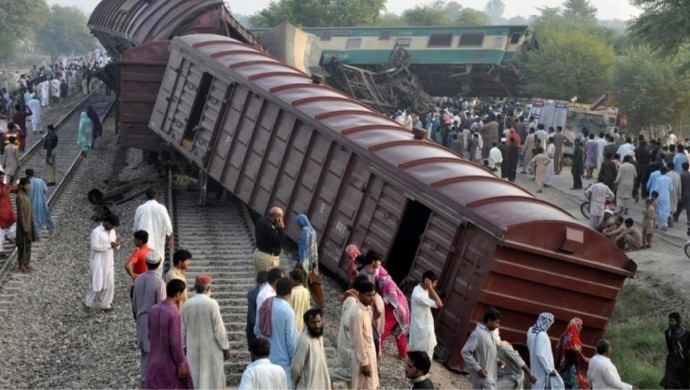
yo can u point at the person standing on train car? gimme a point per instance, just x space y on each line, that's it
424 298
541 353
269 232
153 218
50 142
396 309
480 353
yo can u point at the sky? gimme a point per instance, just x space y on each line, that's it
607 9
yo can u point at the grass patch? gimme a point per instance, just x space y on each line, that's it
636 331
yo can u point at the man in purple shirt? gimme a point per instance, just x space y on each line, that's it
168 367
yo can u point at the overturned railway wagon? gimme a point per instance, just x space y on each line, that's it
272 137
136 34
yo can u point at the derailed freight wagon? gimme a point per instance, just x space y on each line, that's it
136 34
272 137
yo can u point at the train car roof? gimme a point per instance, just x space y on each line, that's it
432 173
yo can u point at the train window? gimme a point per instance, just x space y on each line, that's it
403 42
499 43
385 35
472 39
440 40
326 36
353 43
514 39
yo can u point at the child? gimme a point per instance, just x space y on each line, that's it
649 215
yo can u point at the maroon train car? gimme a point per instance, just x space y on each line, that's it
136 34
272 137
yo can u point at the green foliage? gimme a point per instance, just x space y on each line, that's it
663 24
20 18
65 31
649 89
453 9
319 13
495 9
427 15
569 62
636 333
389 19
473 17
579 10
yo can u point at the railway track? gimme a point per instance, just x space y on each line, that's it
67 162
220 236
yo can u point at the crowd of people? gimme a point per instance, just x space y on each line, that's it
284 330
625 171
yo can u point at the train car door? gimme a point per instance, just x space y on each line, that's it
353 175
407 239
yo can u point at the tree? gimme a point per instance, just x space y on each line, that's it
568 63
427 15
319 13
495 9
663 24
20 18
65 31
453 9
650 90
580 10
389 19
473 17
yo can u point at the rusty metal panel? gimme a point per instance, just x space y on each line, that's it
141 71
436 247
390 204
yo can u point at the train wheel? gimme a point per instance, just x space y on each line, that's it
584 209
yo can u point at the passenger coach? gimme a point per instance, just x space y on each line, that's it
273 137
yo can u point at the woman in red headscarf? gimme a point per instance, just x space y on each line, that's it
514 134
570 339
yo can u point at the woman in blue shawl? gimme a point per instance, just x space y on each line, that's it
85 134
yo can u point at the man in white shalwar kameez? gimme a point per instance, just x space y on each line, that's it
343 371
540 352
103 243
36 115
480 353
261 374
550 153
365 374
424 298
153 218
309 365
204 337
601 372
598 194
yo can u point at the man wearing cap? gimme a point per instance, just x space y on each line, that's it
204 336
149 289
270 233
103 243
